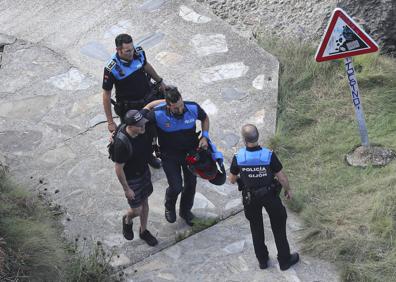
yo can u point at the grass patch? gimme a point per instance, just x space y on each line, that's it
31 245
199 225
349 212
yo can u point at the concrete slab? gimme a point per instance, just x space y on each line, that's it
225 252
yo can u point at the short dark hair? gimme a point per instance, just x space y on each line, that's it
121 39
172 95
250 133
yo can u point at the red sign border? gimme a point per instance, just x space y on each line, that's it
339 13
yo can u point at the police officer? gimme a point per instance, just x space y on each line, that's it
129 71
132 151
257 167
175 121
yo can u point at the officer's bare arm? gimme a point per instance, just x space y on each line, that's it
233 178
205 124
153 104
283 180
107 106
119 169
151 71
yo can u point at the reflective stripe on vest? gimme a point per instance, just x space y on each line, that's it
252 158
168 123
121 71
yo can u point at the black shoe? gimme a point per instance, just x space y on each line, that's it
263 263
155 162
127 230
148 238
188 217
294 258
170 215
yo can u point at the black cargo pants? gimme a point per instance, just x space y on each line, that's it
174 165
277 215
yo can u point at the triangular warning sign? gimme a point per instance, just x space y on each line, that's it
343 38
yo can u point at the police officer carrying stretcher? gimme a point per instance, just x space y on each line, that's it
175 121
130 72
257 166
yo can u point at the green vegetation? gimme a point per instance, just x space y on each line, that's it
349 212
200 224
31 246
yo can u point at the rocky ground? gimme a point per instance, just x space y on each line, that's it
306 20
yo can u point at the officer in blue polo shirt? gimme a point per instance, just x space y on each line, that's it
130 72
175 121
257 166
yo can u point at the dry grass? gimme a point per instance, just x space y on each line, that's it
349 213
32 248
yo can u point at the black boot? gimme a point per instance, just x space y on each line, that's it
170 209
263 263
188 216
170 215
293 259
155 162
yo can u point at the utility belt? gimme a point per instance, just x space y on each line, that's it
121 107
250 194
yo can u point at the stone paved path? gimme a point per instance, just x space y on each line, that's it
51 116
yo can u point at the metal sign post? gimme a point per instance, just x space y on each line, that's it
357 103
343 38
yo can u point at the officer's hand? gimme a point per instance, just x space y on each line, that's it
203 143
163 86
288 194
111 126
111 139
129 194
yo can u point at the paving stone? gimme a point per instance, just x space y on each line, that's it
235 247
6 39
209 107
151 5
150 40
169 58
190 15
208 44
72 80
96 50
231 93
222 72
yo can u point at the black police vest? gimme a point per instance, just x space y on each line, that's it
254 167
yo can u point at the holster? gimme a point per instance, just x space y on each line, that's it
246 193
246 197
276 187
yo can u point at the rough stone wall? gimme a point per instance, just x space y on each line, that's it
378 18
306 20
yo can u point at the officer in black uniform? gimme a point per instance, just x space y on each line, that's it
175 122
130 72
257 167
132 150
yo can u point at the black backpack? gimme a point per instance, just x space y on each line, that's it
118 134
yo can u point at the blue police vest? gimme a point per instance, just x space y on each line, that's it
177 134
122 70
255 167
168 123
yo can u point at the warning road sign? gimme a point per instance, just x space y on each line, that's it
343 38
